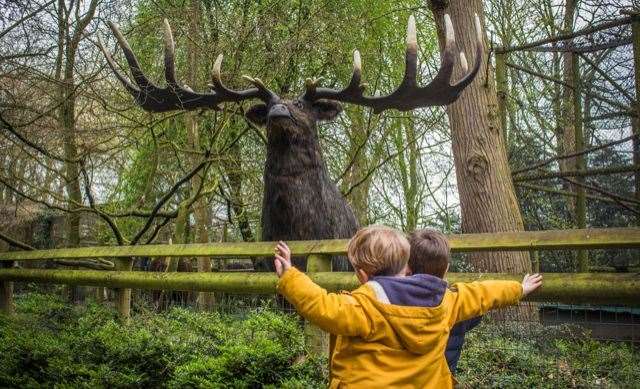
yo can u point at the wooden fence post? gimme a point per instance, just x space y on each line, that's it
317 340
123 295
535 260
6 297
6 292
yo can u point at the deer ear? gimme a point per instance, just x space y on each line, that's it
326 109
257 114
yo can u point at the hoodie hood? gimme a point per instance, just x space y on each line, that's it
412 308
420 290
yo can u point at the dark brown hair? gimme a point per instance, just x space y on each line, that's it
429 253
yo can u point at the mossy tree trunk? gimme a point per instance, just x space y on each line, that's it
204 300
487 195
355 179
70 32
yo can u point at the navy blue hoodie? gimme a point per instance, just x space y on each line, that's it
425 290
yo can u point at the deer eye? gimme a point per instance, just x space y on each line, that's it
298 104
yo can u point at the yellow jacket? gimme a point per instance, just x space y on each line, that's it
380 345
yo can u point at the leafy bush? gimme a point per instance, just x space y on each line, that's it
545 357
49 343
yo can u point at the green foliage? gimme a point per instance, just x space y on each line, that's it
52 344
49 343
544 357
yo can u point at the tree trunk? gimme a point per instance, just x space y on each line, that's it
232 165
204 300
487 195
636 121
568 136
65 67
354 179
405 135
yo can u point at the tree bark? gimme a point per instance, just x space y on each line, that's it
204 300
566 120
68 42
487 195
636 121
358 167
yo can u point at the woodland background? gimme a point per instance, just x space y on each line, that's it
75 147
82 165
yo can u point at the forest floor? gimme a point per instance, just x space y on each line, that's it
50 343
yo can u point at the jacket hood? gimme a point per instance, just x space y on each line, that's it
420 290
412 307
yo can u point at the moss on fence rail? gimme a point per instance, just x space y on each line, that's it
500 241
598 288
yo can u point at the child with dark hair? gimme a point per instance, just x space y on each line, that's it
430 255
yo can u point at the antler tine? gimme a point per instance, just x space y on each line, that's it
138 76
448 55
463 62
261 91
114 68
351 92
169 56
411 56
265 94
466 80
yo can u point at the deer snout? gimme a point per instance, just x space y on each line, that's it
278 110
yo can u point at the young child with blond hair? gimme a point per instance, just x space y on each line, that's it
391 331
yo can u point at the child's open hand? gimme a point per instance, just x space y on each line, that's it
283 258
531 283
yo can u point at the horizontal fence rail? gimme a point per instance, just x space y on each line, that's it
592 288
498 241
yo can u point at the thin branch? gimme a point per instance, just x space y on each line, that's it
104 216
166 198
583 49
15 243
571 155
156 230
9 127
563 37
25 18
628 111
617 198
562 192
608 78
545 175
96 265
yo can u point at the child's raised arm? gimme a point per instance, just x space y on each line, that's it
338 314
477 298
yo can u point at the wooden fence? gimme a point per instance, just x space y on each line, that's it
594 288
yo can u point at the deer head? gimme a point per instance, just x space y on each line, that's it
298 117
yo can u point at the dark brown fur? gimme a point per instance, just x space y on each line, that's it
300 201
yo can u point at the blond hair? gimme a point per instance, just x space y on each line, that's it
379 251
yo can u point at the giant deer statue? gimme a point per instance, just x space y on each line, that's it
300 201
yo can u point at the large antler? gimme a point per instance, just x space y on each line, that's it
174 96
409 95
